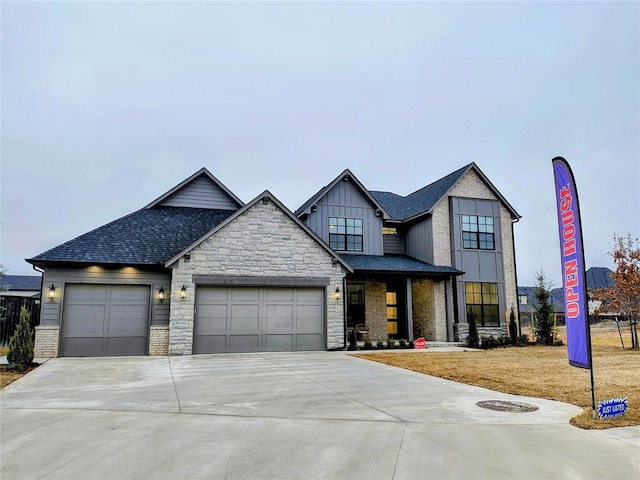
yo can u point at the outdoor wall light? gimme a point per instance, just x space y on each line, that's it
337 293
183 292
52 292
161 294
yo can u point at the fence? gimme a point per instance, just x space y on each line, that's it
11 315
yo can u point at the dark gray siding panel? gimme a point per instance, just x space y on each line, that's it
200 193
51 311
344 200
419 240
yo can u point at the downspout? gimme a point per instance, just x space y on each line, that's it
37 269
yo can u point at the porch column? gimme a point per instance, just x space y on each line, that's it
449 308
409 311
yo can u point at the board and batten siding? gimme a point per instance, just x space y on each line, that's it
51 310
200 193
419 240
345 200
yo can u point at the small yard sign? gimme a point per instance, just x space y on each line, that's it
614 407
419 343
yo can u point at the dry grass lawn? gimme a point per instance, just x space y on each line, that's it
542 372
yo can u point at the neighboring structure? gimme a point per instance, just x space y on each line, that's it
198 271
597 277
425 262
27 286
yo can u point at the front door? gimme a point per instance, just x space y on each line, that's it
396 311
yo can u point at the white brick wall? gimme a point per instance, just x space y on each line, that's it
262 241
159 340
47 341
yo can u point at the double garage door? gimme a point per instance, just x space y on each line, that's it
105 320
257 319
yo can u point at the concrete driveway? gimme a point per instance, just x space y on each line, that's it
286 416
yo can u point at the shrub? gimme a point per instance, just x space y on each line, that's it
489 342
380 344
504 340
411 345
391 343
21 342
367 342
523 340
472 339
402 342
353 340
513 326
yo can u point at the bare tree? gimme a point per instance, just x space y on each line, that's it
624 295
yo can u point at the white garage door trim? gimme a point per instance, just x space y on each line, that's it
256 319
105 320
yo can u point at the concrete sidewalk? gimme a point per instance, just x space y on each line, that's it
285 415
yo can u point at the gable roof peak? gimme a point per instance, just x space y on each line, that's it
345 175
203 172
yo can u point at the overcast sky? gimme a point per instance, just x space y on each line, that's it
105 106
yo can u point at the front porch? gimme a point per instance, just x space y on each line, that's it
399 297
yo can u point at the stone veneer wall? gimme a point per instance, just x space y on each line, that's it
471 186
424 314
375 307
262 241
159 340
47 341
461 331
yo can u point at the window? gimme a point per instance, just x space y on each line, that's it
523 299
482 303
477 232
389 231
345 234
355 304
392 313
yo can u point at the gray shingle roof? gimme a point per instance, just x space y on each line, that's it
21 282
420 201
396 263
145 237
599 277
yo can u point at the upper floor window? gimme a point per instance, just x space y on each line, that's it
478 232
345 234
389 231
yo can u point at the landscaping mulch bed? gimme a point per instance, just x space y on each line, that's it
9 373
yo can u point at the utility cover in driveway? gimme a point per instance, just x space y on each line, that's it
252 319
105 320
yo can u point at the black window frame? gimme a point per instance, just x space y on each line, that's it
346 234
478 232
482 300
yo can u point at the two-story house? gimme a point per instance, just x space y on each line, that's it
425 262
199 271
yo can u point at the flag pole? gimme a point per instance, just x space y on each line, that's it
574 278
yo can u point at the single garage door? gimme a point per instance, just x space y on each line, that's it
251 319
105 320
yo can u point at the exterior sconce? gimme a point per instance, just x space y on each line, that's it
52 292
183 292
314 208
161 294
337 293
